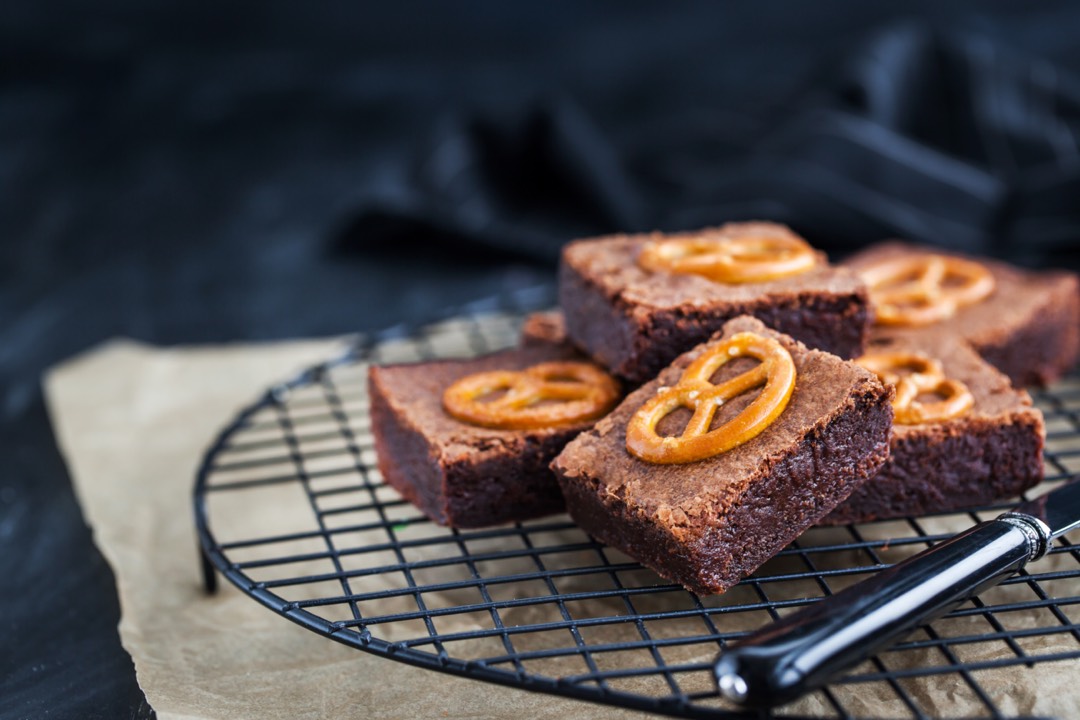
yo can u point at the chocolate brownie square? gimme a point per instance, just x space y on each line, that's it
708 524
636 321
544 328
992 451
458 473
1028 327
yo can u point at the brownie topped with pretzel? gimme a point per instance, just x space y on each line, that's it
736 448
1025 323
469 441
963 436
635 302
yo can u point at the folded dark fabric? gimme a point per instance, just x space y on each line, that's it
939 138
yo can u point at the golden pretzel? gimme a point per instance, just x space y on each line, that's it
924 375
924 289
730 259
696 393
546 395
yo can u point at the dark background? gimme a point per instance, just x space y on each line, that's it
188 173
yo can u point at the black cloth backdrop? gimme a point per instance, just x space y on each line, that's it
936 137
184 172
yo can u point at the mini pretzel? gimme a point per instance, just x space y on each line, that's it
925 376
696 393
730 259
924 289
550 394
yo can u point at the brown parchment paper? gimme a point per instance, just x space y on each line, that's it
133 422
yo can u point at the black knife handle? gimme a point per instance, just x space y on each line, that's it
803 651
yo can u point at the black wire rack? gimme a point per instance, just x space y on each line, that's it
290 507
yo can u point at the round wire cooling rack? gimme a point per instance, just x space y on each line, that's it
290 507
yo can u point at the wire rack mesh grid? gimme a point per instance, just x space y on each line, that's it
290 507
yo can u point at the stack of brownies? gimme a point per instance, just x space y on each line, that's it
700 399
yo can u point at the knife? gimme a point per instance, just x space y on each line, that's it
803 651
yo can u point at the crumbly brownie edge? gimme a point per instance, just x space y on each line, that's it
599 325
514 484
829 463
636 342
404 456
837 324
943 469
1045 348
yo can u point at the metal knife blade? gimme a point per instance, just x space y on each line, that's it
803 651
1058 509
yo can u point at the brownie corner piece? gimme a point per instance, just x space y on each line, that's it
459 474
543 328
636 321
710 523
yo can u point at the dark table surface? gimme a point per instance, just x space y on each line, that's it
187 174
